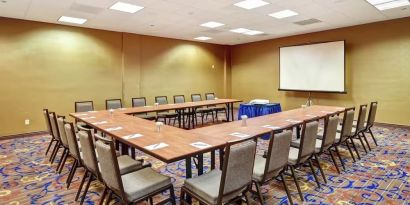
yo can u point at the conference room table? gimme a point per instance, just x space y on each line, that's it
172 144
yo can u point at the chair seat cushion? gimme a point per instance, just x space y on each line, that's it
143 182
167 114
127 164
318 145
206 186
259 168
293 155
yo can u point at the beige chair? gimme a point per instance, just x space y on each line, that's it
163 100
183 112
49 131
343 136
113 104
216 109
303 154
56 134
275 163
141 102
89 160
202 111
74 151
370 121
132 187
235 179
83 106
361 127
64 142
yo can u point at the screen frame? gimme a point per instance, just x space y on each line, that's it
318 91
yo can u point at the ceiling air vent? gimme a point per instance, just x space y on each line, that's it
86 8
307 22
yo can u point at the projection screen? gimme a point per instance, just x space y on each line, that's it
318 67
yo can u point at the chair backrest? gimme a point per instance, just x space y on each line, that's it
61 130
54 127
47 119
278 153
179 99
348 118
110 172
372 114
196 97
308 139
209 96
238 167
84 106
113 104
162 100
139 102
329 133
88 151
72 141
361 118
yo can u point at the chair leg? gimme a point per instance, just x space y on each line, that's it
172 195
86 188
286 189
104 194
314 173
246 195
54 153
365 140
374 139
60 169
320 168
258 190
109 197
340 158
80 188
355 148
296 182
361 142
182 197
73 170
49 145
334 161
350 151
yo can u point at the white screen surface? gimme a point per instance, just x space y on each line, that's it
314 67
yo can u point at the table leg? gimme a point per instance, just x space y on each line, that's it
193 118
124 149
227 112
188 167
133 153
221 158
117 145
233 119
213 159
298 132
183 119
179 118
200 164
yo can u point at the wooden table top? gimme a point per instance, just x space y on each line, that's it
179 140
255 126
153 108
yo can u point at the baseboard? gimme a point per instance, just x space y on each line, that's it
29 134
383 124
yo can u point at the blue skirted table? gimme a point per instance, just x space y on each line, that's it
255 110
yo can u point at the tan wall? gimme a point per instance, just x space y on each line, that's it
51 66
377 64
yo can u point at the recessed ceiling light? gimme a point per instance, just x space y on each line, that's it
203 38
212 24
126 7
69 19
240 30
392 4
251 4
253 32
283 14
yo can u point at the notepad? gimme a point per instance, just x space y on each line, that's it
293 121
123 108
271 127
87 118
324 111
156 146
240 135
132 136
99 123
92 111
200 145
113 129
309 115
148 106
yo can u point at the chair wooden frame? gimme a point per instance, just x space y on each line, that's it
77 162
369 124
344 140
202 111
142 115
165 114
50 132
215 108
358 133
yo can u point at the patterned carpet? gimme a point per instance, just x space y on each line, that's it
381 177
